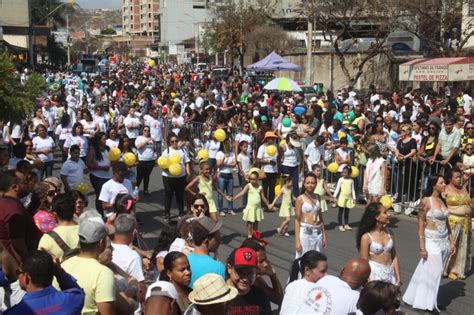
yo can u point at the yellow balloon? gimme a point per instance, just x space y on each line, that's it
151 62
282 143
386 201
129 159
173 95
354 172
271 150
333 167
220 135
175 169
175 158
203 155
82 187
164 162
277 189
114 154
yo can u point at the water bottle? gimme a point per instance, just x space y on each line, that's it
135 192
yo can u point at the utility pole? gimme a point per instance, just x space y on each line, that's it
309 53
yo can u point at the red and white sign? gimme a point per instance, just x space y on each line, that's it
438 69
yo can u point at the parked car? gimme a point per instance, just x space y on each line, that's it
308 92
220 73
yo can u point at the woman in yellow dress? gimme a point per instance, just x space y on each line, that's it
286 208
459 206
346 198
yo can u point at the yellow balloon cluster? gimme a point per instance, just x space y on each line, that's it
151 63
333 167
130 159
175 169
114 154
220 135
203 155
386 201
354 171
82 187
163 162
271 150
175 158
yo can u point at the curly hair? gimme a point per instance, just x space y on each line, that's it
39 198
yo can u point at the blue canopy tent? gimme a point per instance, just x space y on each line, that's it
273 62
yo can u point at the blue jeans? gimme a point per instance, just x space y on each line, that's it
47 170
293 172
97 183
225 182
242 184
158 147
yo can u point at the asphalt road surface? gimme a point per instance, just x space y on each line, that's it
456 296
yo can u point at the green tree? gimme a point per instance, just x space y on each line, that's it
16 100
41 8
56 53
233 23
108 31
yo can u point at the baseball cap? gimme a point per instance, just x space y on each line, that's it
211 289
258 237
203 227
91 227
243 257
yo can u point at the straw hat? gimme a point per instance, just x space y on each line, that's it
211 289
269 134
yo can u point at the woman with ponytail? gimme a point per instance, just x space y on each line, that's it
305 272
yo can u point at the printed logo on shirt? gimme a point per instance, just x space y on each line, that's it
319 300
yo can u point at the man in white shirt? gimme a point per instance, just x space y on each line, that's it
467 99
314 151
124 256
339 295
156 128
118 184
132 125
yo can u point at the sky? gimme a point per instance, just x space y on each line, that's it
97 4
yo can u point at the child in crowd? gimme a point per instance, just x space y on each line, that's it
243 162
346 198
205 186
286 208
322 188
253 212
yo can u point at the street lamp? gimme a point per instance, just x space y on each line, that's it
32 32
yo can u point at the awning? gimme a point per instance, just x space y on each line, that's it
273 62
437 69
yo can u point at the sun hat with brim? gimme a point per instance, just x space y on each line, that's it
270 134
211 289
295 142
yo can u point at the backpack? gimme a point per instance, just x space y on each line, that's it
68 252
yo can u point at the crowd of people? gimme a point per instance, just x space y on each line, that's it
412 151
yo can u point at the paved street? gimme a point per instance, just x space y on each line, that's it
458 296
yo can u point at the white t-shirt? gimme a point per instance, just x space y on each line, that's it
290 157
300 298
16 131
145 153
73 171
244 161
331 295
184 161
112 143
50 115
129 260
314 154
343 155
156 127
104 162
111 189
132 133
225 169
244 137
72 101
101 121
80 141
89 127
179 122
263 155
212 148
44 144
63 132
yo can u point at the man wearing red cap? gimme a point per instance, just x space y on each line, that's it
242 270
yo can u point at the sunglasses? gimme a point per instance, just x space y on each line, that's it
469 128
52 193
199 206
174 141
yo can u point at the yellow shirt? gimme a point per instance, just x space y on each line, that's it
69 235
96 279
